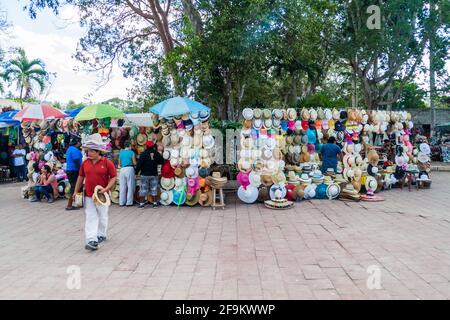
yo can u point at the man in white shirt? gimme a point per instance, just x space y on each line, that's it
19 162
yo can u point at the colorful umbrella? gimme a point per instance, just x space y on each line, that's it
99 111
39 112
177 106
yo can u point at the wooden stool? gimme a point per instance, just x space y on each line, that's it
221 203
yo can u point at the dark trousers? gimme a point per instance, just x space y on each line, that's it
46 191
20 172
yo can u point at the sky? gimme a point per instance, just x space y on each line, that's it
54 40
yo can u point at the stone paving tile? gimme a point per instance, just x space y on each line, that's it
316 250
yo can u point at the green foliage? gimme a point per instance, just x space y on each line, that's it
412 97
29 76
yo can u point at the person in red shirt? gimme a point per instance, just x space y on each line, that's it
96 170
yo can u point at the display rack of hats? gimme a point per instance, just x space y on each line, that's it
47 141
277 141
188 148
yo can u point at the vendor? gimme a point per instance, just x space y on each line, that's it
18 156
330 154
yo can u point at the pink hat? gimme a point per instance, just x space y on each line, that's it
311 148
325 124
291 125
192 185
243 179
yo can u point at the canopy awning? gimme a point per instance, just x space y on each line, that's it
7 119
138 120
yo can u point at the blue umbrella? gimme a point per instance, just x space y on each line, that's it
177 106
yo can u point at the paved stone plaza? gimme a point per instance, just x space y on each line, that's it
318 250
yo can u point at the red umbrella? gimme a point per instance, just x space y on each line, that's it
39 112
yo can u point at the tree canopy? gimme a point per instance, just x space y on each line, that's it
229 54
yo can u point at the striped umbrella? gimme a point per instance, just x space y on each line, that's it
39 112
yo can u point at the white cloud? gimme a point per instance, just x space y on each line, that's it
56 50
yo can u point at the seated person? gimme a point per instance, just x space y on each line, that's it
46 186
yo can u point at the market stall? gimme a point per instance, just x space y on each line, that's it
280 155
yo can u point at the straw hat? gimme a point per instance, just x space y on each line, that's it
247 113
167 183
333 191
166 197
266 180
279 178
257 113
192 199
277 114
313 114
115 197
371 183
305 114
205 199
208 141
292 114
101 198
179 172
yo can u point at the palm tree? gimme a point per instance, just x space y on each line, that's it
26 74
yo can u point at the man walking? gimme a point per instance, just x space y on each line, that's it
148 167
18 156
127 161
74 159
96 170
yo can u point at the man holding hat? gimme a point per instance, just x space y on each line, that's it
95 171
148 168
74 159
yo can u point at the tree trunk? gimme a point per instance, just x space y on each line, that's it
192 13
432 80
229 97
354 89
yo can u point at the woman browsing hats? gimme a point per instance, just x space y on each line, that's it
127 178
147 166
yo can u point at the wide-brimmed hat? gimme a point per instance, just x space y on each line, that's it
254 179
166 197
205 198
192 199
178 197
279 178
257 113
425 148
141 139
313 114
292 114
266 179
263 193
279 189
371 184
167 183
310 192
95 142
277 114
304 114
333 191
267 114
248 195
305 178
208 141
293 178
115 196
101 198
247 113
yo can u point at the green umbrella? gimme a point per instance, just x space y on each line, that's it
99 111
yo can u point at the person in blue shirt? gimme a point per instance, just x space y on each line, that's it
127 178
330 153
74 158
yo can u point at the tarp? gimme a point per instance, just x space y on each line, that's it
138 120
72 113
177 106
6 119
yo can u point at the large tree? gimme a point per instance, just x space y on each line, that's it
29 75
392 53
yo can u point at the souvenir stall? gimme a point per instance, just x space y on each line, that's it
46 133
182 133
280 157
9 136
